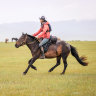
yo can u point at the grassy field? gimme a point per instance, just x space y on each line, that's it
78 80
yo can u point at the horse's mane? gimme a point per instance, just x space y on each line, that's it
32 37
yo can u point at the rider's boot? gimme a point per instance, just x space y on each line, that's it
42 53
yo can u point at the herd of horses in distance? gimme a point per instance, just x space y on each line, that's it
13 39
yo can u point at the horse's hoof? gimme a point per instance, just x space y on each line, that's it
62 73
35 68
49 70
24 73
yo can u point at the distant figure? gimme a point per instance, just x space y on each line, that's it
6 40
14 39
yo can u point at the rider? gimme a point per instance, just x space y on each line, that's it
43 32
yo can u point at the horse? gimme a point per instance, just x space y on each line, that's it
6 40
59 50
14 39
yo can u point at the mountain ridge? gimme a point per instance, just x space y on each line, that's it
66 30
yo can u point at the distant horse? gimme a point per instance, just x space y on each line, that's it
14 39
6 40
58 50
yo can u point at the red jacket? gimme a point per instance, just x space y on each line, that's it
43 32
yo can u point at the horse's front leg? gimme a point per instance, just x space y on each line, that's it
29 61
30 65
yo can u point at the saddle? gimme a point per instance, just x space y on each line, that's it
52 40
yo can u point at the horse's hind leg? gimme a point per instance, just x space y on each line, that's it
57 64
65 63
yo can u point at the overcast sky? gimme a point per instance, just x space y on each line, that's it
54 10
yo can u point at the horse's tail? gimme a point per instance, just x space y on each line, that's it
81 60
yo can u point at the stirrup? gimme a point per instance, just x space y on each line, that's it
42 57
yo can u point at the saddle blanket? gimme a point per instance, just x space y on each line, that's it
52 40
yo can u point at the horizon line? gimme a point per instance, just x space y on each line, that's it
50 21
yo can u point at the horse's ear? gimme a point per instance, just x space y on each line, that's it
26 34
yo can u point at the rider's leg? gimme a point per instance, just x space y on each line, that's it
42 50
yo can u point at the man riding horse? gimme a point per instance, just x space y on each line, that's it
44 33
58 50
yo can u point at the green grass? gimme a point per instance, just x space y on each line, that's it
78 80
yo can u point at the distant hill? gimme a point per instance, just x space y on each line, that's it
67 30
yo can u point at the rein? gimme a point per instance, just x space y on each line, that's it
26 40
30 43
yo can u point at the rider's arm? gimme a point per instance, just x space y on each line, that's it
38 32
44 31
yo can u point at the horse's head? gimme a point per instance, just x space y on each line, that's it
24 39
21 41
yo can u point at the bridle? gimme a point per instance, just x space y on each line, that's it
25 39
24 42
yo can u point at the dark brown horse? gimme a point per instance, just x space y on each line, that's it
59 50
